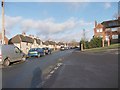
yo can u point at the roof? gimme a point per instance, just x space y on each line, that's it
99 26
20 38
38 41
49 43
111 23
60 43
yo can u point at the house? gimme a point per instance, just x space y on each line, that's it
25 43
22 42
37 43
99 30
108 30
112 30
6 39
59 44
50 44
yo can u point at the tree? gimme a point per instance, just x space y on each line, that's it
74 43
116 15
96 42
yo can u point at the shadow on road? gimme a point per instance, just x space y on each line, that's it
36 79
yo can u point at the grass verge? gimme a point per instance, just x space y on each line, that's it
102 49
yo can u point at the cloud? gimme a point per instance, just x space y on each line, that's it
107 5
48 28
10 22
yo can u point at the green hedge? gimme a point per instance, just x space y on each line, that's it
94 43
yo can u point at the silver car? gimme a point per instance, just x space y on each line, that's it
10 53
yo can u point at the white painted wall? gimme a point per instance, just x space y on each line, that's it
17 45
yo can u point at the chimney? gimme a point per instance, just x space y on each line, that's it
119 18
32 36
23 33
95 23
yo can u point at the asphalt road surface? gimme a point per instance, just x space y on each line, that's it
75 70
86 70
31 74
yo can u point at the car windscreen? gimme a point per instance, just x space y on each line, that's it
43 48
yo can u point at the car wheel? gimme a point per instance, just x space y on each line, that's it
24 58
44 54
6 62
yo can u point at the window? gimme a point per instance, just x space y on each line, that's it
101 36
101 30
114 29
97 30
115 23
114 36
17 50
106 38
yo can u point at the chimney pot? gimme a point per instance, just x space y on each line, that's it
95 23
23 33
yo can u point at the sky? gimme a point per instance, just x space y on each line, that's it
58 21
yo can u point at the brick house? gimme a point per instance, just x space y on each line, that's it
108 30
6 39
112 30
99 30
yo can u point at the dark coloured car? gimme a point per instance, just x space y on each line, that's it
36 52
47 50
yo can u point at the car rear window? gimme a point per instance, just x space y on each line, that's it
33 49
40 49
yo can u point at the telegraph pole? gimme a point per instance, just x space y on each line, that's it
84 35
3 27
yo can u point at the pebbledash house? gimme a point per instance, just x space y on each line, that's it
25 42
108 30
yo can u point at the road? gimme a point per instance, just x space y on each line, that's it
31 74
76 70
86 70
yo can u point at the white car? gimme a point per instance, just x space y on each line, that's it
10 53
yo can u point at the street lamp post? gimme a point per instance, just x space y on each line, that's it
3 28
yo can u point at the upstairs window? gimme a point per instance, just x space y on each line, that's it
114 36
98 30
101 30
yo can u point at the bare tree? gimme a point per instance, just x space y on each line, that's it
115 15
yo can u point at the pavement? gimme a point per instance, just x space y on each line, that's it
86 70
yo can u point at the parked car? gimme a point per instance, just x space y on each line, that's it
47 50
36 52
10 53
62 48
66 48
